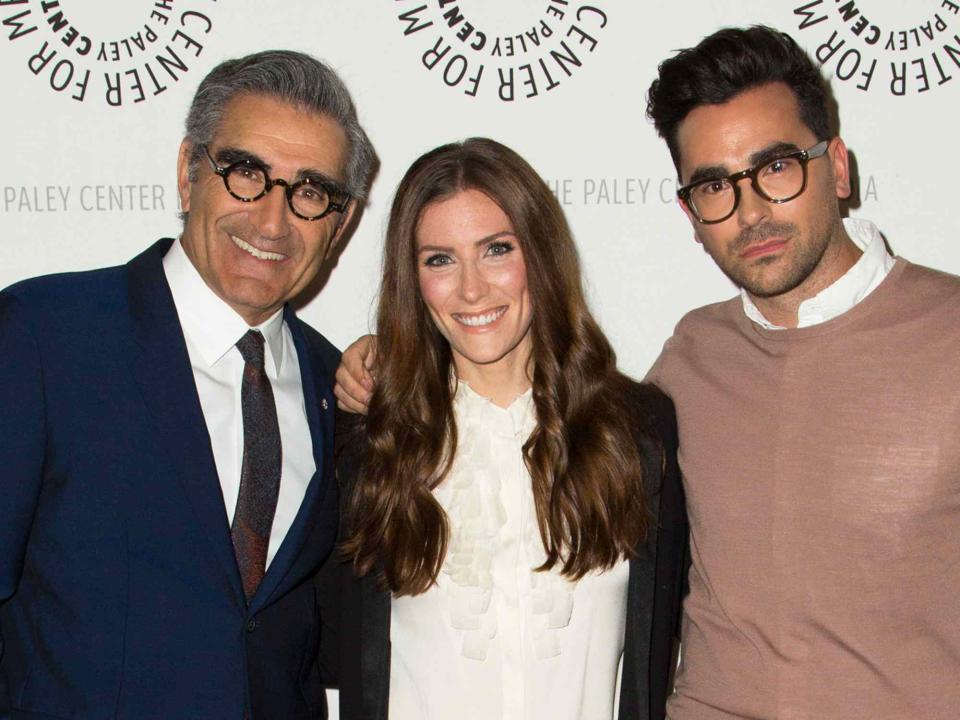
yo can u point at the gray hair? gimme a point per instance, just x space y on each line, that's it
299 79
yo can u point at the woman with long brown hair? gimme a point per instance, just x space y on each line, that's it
512 512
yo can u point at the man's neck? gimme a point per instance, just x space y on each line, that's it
783 310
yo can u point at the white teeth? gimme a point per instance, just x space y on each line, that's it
479 320
259 254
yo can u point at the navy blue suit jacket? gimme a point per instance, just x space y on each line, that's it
119 591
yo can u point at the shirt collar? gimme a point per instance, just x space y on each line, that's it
848 290
212 326
516 420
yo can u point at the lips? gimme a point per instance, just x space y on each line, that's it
256 252
481 319
763 248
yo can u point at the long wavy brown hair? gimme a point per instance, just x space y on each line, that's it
582 457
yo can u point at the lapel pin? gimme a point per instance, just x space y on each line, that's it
323 403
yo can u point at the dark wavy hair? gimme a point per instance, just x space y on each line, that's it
725 64
582 457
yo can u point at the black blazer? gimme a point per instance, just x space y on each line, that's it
355 645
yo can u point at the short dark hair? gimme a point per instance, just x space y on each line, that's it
727 63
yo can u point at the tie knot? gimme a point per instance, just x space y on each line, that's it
251 347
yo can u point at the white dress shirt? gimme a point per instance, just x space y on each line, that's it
858 282
211 329
494 640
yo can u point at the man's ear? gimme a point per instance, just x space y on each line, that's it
840 164
183 174
342 224
693 220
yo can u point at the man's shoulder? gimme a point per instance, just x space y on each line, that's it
923 297
90 297
696 331
930 280
61 291
706 321
718 312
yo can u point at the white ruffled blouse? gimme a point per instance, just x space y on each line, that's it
493 639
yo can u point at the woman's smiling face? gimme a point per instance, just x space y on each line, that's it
473 280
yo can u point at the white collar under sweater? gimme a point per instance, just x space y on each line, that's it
858 282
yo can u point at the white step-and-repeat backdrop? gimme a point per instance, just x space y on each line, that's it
95 92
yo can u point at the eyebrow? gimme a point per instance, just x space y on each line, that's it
479 243
760 157
229 154
772 152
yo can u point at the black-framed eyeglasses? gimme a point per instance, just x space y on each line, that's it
309 199
778 181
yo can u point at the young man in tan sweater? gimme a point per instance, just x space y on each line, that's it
819 414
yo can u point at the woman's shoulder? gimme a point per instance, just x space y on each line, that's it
651 409
349 428
349 447
653 425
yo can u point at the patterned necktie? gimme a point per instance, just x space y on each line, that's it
260 472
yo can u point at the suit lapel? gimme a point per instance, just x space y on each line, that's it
161 368
319 404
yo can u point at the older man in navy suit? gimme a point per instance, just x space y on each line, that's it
166 430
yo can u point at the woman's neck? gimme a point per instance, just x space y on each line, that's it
501 383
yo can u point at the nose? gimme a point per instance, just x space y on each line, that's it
269 214
753 208
473 284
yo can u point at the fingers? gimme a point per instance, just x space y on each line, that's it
367 345
355 379
352 394
346 401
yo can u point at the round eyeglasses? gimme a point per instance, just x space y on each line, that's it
309 198
778 181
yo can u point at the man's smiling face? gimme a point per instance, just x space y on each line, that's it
258 255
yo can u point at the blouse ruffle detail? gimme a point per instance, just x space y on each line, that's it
489 451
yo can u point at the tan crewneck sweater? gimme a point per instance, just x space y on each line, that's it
822 471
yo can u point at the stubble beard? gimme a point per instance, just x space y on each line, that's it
806 256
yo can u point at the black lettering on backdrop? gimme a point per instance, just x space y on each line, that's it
86 65
534 58
906 51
